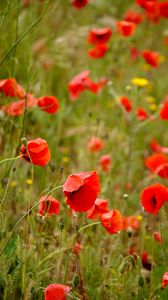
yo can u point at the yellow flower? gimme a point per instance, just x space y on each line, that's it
13 183
146 67
65 159
150 99
153 107
140 82
139 217
29 181
128 87
162 58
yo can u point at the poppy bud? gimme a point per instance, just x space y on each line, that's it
76 281
24 141
52 166
123 267
61 226
129 232
141 281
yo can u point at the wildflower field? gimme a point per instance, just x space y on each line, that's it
83 149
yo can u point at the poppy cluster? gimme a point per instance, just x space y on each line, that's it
154 10
99 38
83 82
10 88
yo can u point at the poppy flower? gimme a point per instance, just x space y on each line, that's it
125 101
99 208
134 53
79 3
151 58
133 16
152 9
82 82
126 28
163 9
98 51
165 280
105 162
145 261
142 114
153 197
95 144
48 206
37 152
77 248
10 88
48 104
56 292
81 190
112 221
157 237
158 164
99 36
16 108
131 222
164 110
155 146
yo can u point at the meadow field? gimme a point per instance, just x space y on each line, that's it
83 149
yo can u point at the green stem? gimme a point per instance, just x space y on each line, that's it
8 183
10 159
25 215
24 34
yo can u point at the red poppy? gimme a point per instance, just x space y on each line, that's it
157 237
82 82
77 248
79 3
56 292
81 190
151 58
126 28
125 101
142 114
105 162
99 208
10 88
145 260
95 144
133 16
16 108
153 197
48 206
163 9
99 36
164 110
152 9
37 152
131 222
155 146
112 221
98 51
134 53
158 164
48 104
165 280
